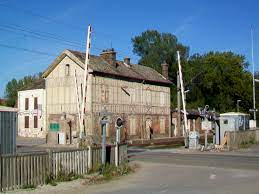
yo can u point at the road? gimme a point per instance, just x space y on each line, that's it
164 172
203 159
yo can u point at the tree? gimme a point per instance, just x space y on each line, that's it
223 79
13 86
154 48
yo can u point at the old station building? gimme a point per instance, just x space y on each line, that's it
138 94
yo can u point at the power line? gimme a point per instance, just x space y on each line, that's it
27 50
41 35
38 34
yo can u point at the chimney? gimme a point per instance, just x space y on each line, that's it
127 61
109 55
165 70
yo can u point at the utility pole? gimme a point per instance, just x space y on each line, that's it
178 127
252 42
87 58
183 101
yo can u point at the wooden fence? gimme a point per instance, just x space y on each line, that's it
32 169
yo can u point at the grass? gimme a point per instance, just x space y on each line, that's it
108 172
98 174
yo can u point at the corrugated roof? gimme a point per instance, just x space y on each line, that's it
99 65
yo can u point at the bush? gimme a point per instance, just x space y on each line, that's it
109 171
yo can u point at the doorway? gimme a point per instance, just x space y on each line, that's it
148 128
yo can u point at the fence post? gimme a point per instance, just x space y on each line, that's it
50 164
89 158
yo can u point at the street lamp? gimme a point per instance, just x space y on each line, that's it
238 105
185 92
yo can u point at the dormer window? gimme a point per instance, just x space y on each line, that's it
67 69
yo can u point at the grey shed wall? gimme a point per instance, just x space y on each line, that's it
8 128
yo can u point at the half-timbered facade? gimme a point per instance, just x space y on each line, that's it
138 94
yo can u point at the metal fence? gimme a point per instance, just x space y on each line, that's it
32 169
8 128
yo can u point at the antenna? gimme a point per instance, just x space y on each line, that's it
252 44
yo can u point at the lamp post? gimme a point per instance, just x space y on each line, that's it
238 105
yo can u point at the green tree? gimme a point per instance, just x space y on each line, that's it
222 80
154 48
13 86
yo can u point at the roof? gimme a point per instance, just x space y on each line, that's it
98 65
38 84
7 109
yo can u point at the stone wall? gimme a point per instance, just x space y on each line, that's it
239 138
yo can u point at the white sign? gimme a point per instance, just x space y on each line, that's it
206 125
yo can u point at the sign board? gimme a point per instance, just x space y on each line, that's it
206 125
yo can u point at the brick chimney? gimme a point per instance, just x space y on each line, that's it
165 70
127 61
109 55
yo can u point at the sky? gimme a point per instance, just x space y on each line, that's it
203 25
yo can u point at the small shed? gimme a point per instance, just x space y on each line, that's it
232 121
8 129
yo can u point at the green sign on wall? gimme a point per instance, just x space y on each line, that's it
54 127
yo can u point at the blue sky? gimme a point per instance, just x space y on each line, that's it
203 25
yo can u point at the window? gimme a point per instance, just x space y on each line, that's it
26 122
162 125
104 94
35 103
35 124
148 97
162 99
132 96
67 69
132 125
225 121
26 103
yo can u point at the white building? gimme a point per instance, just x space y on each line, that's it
32 110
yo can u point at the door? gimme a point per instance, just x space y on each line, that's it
148 128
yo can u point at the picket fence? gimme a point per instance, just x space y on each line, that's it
32 169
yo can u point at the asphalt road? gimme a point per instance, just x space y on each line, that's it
204 159
163 172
